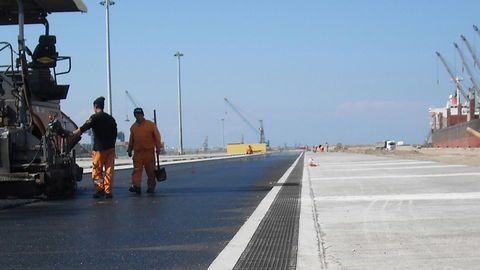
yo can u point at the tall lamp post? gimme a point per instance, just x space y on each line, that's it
223 133
178 55
107 4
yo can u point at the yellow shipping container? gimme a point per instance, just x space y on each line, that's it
242 148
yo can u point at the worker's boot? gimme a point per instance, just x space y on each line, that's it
99 194
150 190
135 189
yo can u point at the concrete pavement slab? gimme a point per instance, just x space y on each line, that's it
385 213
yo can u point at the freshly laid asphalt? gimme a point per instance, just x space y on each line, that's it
355 212
184 225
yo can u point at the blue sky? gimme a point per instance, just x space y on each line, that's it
314 71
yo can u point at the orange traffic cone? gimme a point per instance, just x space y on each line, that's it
312 163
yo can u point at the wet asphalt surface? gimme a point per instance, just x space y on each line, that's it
184 225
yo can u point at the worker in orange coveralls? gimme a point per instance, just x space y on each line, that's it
104 130
144 138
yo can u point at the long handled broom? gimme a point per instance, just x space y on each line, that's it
160 172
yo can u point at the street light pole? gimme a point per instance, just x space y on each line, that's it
107 4
180 150
223 133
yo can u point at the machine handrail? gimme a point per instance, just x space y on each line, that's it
60 58
7 45
10 67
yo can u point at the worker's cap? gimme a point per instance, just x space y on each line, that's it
138 110
99 102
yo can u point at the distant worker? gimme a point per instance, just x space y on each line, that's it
326 146
144 138
104 130
249 149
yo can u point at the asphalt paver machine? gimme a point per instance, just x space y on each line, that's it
37 155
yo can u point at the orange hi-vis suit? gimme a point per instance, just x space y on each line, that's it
103 155
144 137
101 159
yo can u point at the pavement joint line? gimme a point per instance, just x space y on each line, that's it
350 164
311 253
397 168
394 176
229 256
402 197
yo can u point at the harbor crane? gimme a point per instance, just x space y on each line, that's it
131 98
469 71
476 29
455 79
132 101
135 105
471 50
260 131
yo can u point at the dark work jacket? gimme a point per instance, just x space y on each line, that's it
104 130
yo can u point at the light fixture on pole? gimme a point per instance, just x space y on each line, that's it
180 149
107 4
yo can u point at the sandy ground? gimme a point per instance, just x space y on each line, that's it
463 156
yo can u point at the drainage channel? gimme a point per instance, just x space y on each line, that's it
274 243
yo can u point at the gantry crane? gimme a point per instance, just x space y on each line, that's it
455 79
260 131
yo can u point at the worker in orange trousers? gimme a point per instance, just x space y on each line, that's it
144 138
249 149
103 153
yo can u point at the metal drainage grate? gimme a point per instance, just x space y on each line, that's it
274 243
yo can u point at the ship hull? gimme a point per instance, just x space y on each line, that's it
457 135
